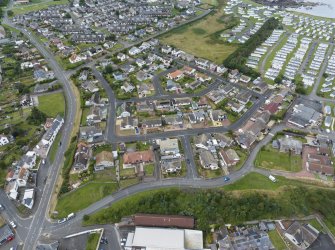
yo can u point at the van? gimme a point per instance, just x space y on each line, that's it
70 216
272 178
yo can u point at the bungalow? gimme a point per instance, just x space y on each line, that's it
169 147
145 106
141 76
229 157
176 75
166 49
217 117
90 86
207 160
128 123
28 198
127 87
131 159
202 77
188 70
74 58
173 120
122 57
245 79
152 123
134 51
95 115
172 86
196 116
118 76
90 134
103 160
202 63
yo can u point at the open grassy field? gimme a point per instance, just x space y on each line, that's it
52 104
202 38
276 240
38 5
270 158
83 197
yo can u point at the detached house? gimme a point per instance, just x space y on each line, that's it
208 161
103 160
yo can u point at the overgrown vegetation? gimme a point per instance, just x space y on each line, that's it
36 117
218 207
238 59
67 166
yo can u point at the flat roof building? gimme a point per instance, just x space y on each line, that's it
163 238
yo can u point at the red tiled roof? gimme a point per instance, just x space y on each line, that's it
163 220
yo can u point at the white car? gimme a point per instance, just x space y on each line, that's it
12 224
61 221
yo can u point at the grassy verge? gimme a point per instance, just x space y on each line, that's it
276 240
83 197
54 147
52 104
93 241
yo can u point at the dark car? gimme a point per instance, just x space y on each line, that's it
226 178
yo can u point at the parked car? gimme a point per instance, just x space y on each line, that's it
226 178
62 221
12 223
70 216
2 207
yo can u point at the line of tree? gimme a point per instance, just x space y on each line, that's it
238 59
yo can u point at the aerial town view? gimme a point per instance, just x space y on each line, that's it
167 124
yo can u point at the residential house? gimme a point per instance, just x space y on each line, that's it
169 147
103 160
217 117
229 157
127 87
173 120
91 134
81 157
175 75
28 198
131 159
208 160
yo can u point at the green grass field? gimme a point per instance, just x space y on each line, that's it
83 197
199 38
273 159
36 5
52 104
93 241
276 240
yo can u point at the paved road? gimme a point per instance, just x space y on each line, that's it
39 220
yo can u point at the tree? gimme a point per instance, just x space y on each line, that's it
36 117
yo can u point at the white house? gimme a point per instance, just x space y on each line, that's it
3 140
